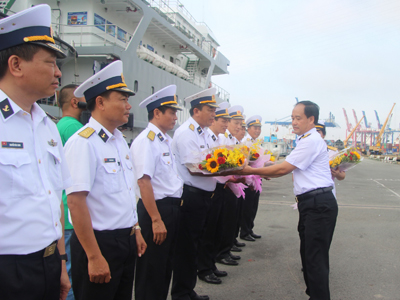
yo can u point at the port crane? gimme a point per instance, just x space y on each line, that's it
376 149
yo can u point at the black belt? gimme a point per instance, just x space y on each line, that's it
313 193
196 190
113 233
166 201
49 250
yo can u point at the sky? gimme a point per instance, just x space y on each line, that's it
336 53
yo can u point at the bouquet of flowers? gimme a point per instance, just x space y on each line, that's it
345 159
260 157
220 159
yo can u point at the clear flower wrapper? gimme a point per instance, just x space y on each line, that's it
345 159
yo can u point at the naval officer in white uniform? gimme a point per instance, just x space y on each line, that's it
190 138
102 199
317 205
33 171
160 189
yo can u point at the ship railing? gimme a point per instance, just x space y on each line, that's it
221 93
93 35
168 9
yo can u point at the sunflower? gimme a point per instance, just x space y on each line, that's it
212 165
240 161
218 152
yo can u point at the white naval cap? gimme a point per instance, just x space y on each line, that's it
222 110
236 112
108 79
243 121
32 25
206 97
254 121
164 97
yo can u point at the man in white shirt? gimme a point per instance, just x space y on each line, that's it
160 189
33 171
190 139
208 250
317 205
102 199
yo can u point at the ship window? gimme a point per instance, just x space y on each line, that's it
136 86
171 59
152 90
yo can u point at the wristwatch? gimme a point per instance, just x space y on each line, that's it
64 257
137 227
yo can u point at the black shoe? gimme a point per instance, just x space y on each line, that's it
219 273
248 238
239 244
199 297
227 261
235 249
256 236
210 278
234 257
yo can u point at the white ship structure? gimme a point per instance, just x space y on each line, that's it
159 42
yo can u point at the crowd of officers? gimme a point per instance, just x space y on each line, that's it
181 225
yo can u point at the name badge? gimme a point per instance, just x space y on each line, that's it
202 146
12 145
109 160
165 154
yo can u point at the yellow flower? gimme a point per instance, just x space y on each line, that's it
330 162
272 158
212 165
240 160
217 152
358 155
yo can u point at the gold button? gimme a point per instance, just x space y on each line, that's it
24 114
49 192
114 171
56 224
40 161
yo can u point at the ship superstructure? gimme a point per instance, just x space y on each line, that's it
159 42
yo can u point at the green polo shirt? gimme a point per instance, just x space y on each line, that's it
67 126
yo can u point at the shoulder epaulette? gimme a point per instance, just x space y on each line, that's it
151 135
87 132
191 126
332 148
226 134
304 136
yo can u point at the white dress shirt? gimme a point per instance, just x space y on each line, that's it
310 157
152 156
214 140
33 173
227 139
189 140
103 167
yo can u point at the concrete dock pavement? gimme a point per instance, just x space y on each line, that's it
365 250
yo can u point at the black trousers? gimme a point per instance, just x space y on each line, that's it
154 268
30 276
249 211
316 226
192 219
229 224
208 248
119 249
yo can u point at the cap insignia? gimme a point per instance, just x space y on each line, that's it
226 134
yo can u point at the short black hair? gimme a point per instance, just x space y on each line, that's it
24 51
199 107
65 94
310 109
91 103
163 109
